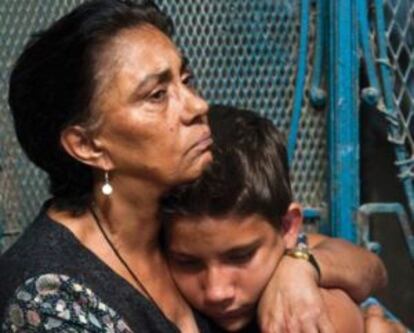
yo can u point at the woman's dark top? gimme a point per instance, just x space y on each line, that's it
50 282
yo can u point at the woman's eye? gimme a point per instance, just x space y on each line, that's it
158 96
189 80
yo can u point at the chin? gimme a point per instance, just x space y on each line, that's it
234 325
205 160
192 171
199 166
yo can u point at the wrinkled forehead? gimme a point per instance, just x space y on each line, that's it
132 55
141 48
145 43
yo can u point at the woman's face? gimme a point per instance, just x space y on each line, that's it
152 124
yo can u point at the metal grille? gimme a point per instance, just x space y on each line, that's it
22 186
399 16
242 52
392 33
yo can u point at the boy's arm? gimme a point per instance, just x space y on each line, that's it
295 284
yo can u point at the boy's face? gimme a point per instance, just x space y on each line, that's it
221 265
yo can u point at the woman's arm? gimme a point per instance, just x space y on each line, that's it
295 285
375 322
345 314
346 266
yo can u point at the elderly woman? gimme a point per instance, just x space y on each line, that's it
103 102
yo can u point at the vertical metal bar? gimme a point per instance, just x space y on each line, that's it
300 79
317 94
343 122
372 93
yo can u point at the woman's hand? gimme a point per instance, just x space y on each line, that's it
292 301
376 323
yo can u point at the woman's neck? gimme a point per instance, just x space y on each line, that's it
131 217
130 221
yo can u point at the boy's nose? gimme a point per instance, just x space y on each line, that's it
219 289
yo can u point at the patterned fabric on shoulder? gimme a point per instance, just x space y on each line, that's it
58 303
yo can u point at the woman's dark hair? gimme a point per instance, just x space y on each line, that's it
53 82
249 174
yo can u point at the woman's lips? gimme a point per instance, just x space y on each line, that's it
203 143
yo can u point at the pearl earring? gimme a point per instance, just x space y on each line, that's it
107 187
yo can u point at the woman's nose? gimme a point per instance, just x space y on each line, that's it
195 107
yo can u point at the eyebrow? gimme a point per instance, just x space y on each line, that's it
244 247
232 251
161 77
185 66
181 255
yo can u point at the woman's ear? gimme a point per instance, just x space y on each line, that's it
292 224
78 143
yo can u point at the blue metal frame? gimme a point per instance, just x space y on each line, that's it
317 94
404 162
371 94
300 78
343 118
381 95
364 224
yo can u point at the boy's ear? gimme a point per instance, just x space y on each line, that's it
80 144
292 224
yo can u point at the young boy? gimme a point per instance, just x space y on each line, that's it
226 233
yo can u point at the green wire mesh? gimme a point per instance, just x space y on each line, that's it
242 53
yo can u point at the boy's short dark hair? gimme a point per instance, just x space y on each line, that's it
249 174
53 82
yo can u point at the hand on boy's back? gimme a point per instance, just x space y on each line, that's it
300 305
345 314
375 322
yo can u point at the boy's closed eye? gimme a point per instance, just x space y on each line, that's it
243 254
240 256
236 256
185 262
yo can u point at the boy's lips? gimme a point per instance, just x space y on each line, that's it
231 314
